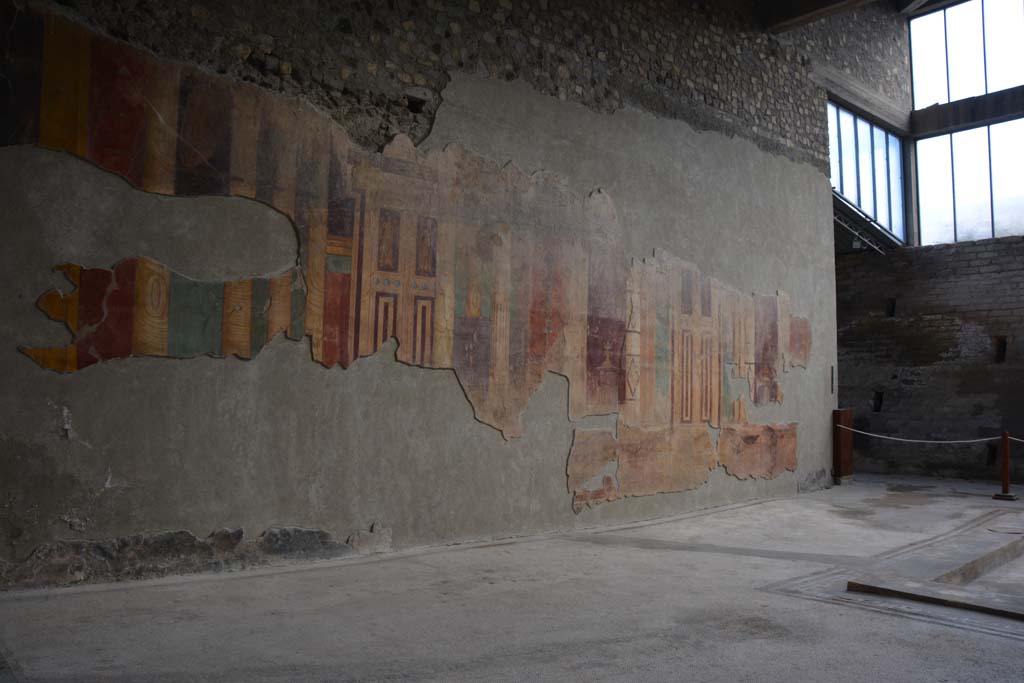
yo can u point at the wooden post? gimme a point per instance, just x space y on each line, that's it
842 445
1005 493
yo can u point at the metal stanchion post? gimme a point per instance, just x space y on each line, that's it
1005 493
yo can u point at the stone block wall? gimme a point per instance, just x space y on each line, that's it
931 346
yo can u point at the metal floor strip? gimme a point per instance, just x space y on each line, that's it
830 587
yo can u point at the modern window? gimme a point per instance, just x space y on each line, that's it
970 49
971 184
867 168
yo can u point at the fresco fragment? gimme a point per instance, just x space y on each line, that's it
471 265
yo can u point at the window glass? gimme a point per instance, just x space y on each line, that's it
880 149
833 143
896 186
972 192
848 140
935 190
1004 43
965 50
864 157
867 168
928 53
1008 177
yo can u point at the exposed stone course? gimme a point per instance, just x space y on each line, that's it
165 553
379 68
869 44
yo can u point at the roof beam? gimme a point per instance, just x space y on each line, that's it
909 6
972 112
785 15
913 8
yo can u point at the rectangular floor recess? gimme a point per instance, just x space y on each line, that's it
830 586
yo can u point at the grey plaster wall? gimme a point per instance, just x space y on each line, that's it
754 220
146 444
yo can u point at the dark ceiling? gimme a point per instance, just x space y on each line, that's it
783 15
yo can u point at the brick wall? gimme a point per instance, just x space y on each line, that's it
919 334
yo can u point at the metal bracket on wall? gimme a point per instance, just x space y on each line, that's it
858 233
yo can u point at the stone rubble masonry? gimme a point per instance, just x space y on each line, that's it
165 553
869 44
379 68
933 364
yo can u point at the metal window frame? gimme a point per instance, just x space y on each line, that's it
952 159
889 191
875 179
839 142
988 129
869 210
872 211
844 181
856 157
952 154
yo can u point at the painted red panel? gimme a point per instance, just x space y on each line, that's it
117 108
204 136
92 289
112 337
337 287
606 329
537 346
766 349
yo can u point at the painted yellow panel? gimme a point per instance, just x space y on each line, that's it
152 293
64 105
237 319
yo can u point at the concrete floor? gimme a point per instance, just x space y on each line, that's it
707 596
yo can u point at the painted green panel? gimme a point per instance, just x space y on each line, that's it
297 329
339 264
258 328
486 286
662 361
194 317
730 394
461 281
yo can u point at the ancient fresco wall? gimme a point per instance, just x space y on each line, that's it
470 265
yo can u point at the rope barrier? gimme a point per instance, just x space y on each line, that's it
842 455
896 438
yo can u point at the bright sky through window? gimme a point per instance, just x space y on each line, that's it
969 49
970 183
867 168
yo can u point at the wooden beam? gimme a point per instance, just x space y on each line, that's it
863 100
909 6
913 8
785 15
972 112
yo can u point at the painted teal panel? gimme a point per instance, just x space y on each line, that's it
339 264
461 283
260 302
662 361
297 330
194 317
486 286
